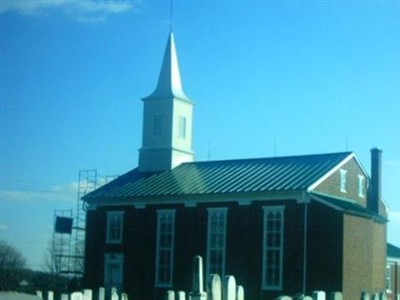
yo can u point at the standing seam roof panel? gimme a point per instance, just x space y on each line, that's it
226 178
219 177
273 182
286 173
252 173
263 176
237 179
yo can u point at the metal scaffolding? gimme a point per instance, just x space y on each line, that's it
68 245
61 243
86 184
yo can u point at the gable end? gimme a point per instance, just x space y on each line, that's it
347 179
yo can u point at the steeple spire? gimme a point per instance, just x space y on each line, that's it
169 81
167 119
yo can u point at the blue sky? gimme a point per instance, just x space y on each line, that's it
267 77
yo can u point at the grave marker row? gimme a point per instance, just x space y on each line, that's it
87 294
217 289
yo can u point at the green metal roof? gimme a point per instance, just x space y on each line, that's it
290 173
350 207
393 251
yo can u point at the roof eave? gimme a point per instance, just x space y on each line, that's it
365 214
194 199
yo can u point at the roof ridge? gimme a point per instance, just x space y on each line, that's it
268 158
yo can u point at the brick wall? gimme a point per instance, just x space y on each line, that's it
364 246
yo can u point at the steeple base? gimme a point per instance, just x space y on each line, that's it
162 159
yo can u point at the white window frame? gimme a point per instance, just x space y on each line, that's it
217 235
110 238
157 125
182 122
361 179
169 249
343 176
388 277
113 259
267 248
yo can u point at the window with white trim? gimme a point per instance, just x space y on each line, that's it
165 247
114 227
343 174
181 127
272 247
388 278
216 239
361 186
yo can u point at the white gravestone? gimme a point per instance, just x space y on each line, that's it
239 293
319 295
214 287
229 288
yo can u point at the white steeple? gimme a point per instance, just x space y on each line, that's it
169 82
167 119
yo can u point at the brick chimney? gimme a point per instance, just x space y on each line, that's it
375 194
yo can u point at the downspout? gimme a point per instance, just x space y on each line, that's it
306 200
396 269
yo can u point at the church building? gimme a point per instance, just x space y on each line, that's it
280 225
